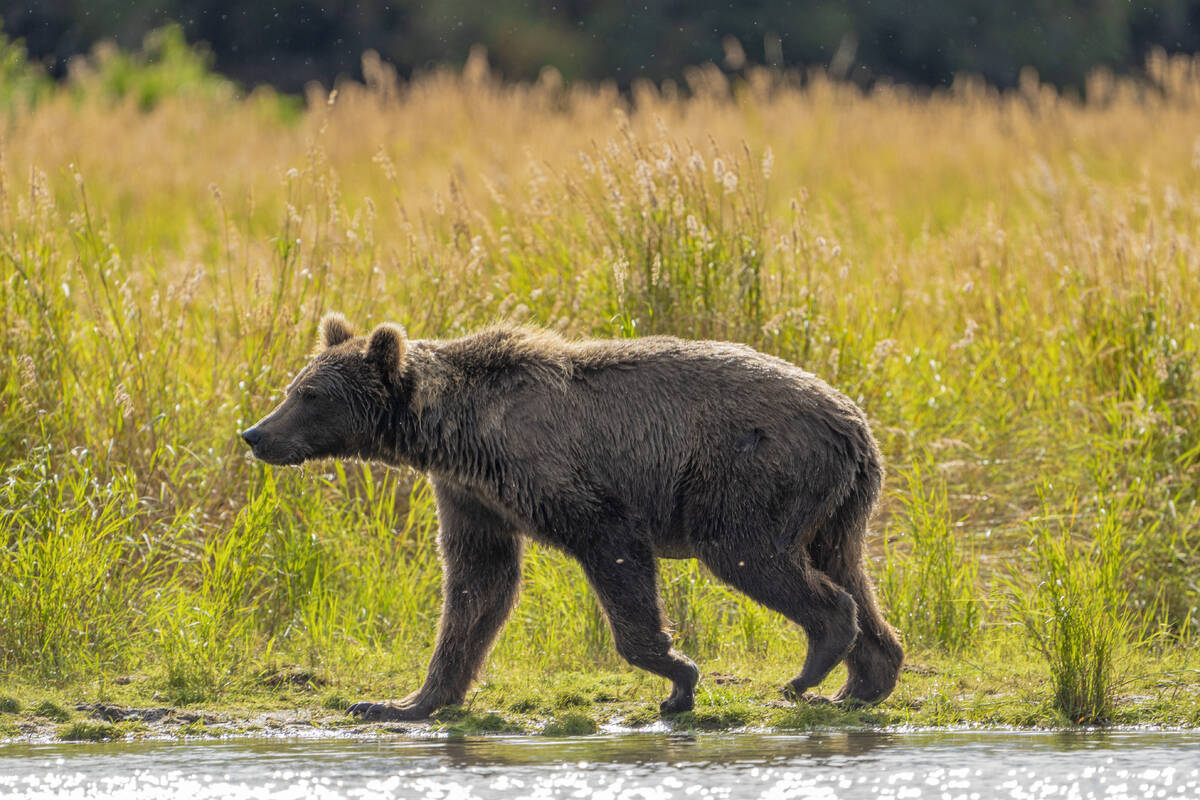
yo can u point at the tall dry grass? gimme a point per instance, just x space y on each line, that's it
1007 282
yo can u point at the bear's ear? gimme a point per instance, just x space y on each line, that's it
335 330
386 348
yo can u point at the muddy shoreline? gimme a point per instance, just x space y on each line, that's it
107 722
100 722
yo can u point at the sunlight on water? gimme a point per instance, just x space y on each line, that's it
944 766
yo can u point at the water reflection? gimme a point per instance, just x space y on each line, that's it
655 749
833 764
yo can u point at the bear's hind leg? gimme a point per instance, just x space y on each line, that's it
873 663
801 593
625 580
481 562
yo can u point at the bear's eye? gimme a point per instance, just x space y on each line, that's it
308 393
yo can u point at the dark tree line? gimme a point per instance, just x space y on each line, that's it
289 42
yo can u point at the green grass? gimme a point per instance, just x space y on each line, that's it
336 701
457 721
1076 614
570 723
51 710
1008 292
932 585
1007 686
88 731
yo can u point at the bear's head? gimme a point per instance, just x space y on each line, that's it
337 404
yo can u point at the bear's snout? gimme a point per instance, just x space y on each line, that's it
268 446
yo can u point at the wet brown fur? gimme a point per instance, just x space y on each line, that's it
617 452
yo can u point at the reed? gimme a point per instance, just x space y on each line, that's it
930 577
1076 613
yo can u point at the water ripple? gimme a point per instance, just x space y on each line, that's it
941 766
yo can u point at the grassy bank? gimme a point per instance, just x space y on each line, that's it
1001 687
1006 283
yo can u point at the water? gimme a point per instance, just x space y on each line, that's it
937 765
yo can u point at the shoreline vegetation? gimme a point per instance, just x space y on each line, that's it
1005 282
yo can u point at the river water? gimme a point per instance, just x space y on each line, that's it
942 765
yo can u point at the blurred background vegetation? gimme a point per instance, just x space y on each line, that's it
287 43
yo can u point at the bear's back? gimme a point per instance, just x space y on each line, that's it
701 386
517 347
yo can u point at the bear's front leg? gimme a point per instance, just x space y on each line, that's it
481 565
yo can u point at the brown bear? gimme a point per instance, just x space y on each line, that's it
618 453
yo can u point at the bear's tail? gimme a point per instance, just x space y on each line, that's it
875 659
